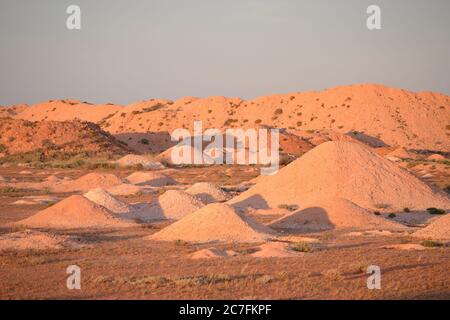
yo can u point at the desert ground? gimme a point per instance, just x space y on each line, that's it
364 181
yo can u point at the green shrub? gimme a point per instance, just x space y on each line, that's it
279 111
301 247
436 211
7 190
392 215
431 244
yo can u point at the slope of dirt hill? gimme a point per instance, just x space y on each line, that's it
64 110
215 222
394 116
333 213
438 229
342 170
51 138
37 240
12 111
75 212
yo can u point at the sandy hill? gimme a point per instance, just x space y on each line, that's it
438 229
148 178
207 192
174 204
50 137
105 199
87 182
75 212
342 170
215 222
395 116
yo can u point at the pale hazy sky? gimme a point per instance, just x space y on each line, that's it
129 50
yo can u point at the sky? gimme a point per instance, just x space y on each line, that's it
133 50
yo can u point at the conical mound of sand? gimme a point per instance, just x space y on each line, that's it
439 229
436 157
207 192
152 179
342 170
137 160
75 212
87 182
330 214
174 204
215 222
105 199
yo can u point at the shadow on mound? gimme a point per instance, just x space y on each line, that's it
256 202
366 139
307 220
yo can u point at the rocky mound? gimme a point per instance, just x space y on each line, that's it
53 139
152 179
342 170
132 160
330 214
438 229
87 182
207 192
36 240
275 250
105 199
215 222
75 212
174 204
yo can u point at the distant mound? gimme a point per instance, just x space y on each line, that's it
330 214
174 204
12 111
215 222
87 182
342 170
75 212
132 160
56 140
153 179
207 192
275 250
438 229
